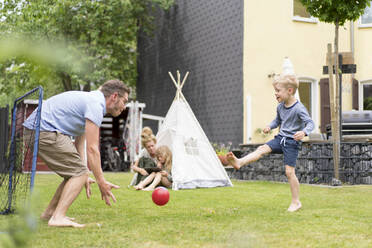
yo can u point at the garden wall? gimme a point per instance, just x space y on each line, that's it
314 164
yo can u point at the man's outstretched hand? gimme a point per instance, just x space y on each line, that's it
105 188
87 187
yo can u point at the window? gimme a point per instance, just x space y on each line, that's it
308 92
365 96
304 90
300 13
366 18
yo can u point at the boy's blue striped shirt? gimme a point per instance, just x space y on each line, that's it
292 119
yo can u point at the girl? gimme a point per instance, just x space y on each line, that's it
164 177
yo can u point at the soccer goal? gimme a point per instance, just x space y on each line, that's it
18 173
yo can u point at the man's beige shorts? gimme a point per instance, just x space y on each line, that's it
60 154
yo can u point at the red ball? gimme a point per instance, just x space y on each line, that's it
160 196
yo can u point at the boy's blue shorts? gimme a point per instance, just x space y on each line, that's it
288 146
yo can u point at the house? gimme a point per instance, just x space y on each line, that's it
232 50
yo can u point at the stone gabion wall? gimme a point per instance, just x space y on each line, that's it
314 164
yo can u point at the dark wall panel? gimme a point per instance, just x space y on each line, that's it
206 39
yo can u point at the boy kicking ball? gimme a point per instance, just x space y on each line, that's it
295 123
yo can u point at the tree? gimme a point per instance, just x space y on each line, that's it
100 36
25 65
336 12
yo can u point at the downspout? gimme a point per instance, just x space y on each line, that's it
352 50
352 44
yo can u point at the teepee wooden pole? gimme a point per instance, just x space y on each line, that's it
178 78
179 84
174 81
184 80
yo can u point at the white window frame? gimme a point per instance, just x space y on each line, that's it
364 25
314 97
360 93
248 136
303 19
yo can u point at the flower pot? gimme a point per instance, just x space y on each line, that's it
223 159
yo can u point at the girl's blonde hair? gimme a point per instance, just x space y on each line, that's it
147 136
288 81
146 131
166 153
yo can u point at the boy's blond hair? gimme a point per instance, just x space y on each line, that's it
288 81
166 153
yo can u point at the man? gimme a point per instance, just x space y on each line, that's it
78 114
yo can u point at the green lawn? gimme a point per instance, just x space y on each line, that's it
250 214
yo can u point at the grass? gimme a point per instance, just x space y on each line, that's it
250 214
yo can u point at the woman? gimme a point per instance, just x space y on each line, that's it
147 156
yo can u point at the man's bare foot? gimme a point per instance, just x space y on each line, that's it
294 207
149 188
233 161
47 217
63 222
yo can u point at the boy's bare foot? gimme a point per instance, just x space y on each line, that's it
233 161
294 207
148 188
63 222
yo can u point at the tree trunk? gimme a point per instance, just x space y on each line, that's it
336 110
86 87
330 63
66 80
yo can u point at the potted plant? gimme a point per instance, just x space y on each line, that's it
221 150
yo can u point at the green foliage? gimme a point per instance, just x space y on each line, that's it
20 231
332 11
25 65
367 103
99 40
221 148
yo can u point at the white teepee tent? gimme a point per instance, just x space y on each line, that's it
195 163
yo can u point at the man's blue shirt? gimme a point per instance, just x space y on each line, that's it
68 111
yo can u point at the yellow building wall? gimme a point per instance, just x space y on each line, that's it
270 34
363 52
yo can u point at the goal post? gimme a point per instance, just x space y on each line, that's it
17 179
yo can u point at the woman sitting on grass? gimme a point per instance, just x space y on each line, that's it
164 177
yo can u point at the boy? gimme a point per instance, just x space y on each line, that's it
295 123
